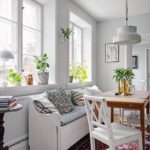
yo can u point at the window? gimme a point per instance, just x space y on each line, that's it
8 30
76 54
28 25
31 34
80 50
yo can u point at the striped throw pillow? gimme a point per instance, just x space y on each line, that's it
43 105
77 96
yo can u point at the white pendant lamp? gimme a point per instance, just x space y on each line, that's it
127 35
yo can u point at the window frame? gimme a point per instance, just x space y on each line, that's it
72 48
19 31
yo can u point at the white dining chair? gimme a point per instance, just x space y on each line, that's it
138 85
112 134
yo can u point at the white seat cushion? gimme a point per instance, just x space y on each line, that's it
119 132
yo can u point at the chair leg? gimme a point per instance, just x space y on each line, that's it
140 142
92 143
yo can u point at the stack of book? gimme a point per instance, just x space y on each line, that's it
7 103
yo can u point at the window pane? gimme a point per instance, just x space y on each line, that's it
8 9
31 34
8 35
77 54
31 14
28 64
31 42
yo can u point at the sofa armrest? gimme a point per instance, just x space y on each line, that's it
49 118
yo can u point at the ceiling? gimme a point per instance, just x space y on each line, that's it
111 9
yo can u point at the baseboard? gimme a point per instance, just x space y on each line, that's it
20 146
17 140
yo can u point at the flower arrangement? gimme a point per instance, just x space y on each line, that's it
124 76
66 33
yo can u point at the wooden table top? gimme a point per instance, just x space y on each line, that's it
135 97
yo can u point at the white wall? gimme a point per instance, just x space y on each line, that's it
105 32
49 34
140 50
62 50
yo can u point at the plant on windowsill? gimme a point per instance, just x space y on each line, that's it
124 78
78 72
41 66
14 77
66 33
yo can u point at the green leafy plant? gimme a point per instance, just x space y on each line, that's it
14 77
123 74
66 33
41 62
79 72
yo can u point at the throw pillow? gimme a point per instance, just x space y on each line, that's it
77 96
43 105
94 90
60 99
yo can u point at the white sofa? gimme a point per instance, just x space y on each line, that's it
49 132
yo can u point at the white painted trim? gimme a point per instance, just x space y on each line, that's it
78 85
17 140
26 90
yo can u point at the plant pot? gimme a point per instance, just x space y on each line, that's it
18 83
70 79
125 85
43 78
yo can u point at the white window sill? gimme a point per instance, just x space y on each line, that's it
25 90
78 85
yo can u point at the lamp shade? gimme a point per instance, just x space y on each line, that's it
127 35
5 55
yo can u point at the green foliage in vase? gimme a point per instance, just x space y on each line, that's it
123 74
79 72
13 77
41 62
66 33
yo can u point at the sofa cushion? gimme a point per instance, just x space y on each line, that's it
77 96
94 90
60 99
76 113
43 105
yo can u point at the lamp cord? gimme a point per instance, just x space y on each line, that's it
126 12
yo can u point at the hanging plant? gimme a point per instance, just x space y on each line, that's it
66 33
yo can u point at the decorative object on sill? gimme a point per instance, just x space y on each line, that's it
66 33
14 77
111 52
134 62
79 72
41 66
124 78
127 35
29 79
5 55
70 79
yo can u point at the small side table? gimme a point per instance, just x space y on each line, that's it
2 129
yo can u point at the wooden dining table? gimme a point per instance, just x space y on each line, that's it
138 100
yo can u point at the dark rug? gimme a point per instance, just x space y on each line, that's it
84 144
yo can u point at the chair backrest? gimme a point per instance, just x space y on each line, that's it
139 85
98 114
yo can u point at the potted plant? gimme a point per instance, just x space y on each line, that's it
14 77
66 33
123 76
41 66
78 72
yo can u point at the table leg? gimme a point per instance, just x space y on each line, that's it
148 126
112 114
2 130
142 126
